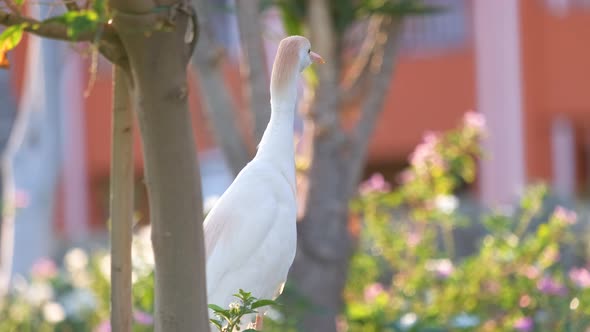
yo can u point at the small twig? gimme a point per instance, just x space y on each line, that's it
354 84
363 58
382 68
94 49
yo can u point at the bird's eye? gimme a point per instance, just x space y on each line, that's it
308 50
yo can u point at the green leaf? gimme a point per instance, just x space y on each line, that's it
262 303
19 2
11 37
243 295
216 323
216 308
8 40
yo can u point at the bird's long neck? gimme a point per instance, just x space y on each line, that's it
277 144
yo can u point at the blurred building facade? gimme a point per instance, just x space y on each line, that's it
437 79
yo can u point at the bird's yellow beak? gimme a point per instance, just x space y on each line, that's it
316 58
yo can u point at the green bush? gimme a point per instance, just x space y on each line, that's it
406 275
75 297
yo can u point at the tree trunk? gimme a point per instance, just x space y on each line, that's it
121 204
32 161
324 246
337 160
254 67
215 95
158 61
7 117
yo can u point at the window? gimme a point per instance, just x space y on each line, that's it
442 31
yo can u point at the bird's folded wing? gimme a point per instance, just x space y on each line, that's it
236 225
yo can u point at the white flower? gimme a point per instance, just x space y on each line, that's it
443 267
234 306
408 320
76 259
38 293
53 312
446 203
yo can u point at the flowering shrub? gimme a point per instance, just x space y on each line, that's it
76 296
406 275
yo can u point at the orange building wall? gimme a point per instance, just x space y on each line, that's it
556 74
428 93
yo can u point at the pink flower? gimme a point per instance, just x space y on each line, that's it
104 326
443 268
568 216
405 176
414 239
143 318
44 268
524 324
531 272
431 138
580 277
372 291
426 152
524 301
550 286
376 183
475 121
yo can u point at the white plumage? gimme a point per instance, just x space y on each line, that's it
250 233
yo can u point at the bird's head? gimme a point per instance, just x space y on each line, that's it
293 56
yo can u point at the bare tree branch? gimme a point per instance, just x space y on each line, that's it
382 68
254 64
324 42
355 82
216 99
363 58
53 30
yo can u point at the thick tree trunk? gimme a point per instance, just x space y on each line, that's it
324 246
215 95
324 243
254 67
158 61
121 204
